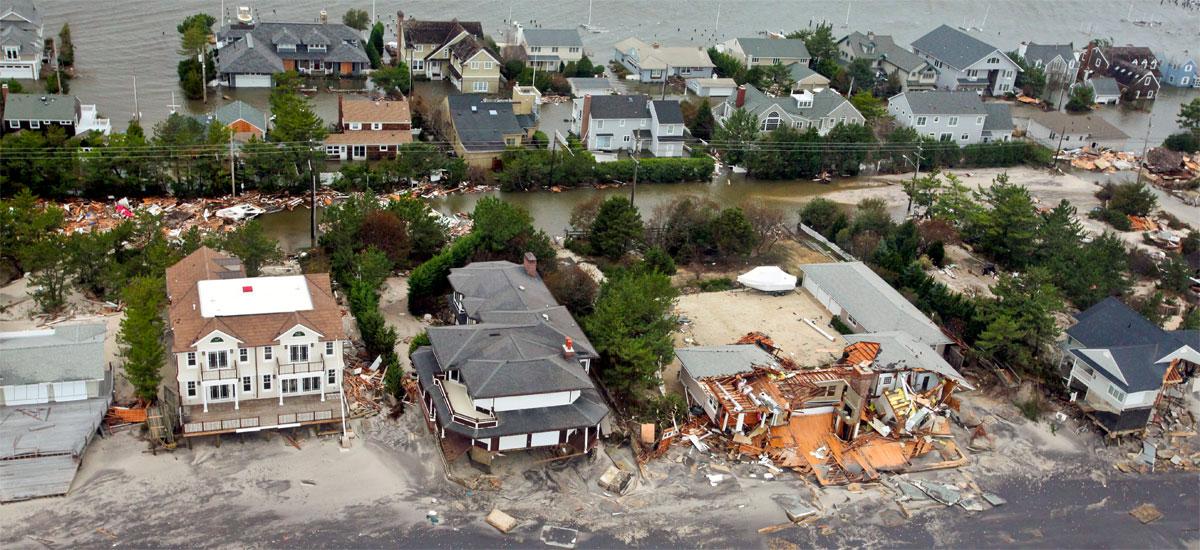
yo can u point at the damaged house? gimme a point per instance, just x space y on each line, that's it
1116 365
513 373
843 423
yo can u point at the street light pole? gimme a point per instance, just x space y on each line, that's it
636 164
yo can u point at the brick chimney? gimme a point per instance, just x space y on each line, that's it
586 118
741 96
531 264
568 348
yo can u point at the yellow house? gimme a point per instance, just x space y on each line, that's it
450 49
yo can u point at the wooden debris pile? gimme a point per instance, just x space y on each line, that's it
1102 160
119 416
1167 166
364 388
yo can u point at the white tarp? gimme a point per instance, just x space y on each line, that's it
768 278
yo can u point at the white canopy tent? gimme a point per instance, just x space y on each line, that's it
768 278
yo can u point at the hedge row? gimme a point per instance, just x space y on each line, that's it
657 170
430 279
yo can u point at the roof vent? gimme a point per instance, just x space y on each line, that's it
520 287
247 289
474 109
492 112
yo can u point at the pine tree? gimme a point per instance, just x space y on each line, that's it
141 335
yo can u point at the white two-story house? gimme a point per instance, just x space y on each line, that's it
823 109
1115 363
514 372
253 353
959 117
629 123
964 62
20 40
547 49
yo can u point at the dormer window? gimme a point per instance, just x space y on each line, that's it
316 47
285 47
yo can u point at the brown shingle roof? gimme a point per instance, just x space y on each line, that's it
386 111
370 137
187 325
438 32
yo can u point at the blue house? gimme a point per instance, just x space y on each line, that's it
1181 71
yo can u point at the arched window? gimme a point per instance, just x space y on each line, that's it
298 334
217 340
771 122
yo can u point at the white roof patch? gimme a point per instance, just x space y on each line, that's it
253 296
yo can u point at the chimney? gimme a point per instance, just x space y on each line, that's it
870 35
586 117
568 348
324 17
741 96
531 264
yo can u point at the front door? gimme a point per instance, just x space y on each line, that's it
359 152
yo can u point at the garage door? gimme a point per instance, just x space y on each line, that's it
26 394
513 442
541 439
70 391
252 81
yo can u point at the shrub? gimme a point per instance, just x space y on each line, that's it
1185 142
658 260
719 284
421 339
657 170
936 253
1112 217
839 326
573 288
428 280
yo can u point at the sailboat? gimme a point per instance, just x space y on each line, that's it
588 26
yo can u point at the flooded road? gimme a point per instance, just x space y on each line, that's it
117 41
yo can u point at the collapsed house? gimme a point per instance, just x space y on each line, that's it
881 407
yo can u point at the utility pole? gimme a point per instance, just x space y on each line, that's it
232 168
1061 132
666 75
57 66
1145 145
637 157
312 205
137 114
203 74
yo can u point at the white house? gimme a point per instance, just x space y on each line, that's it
823 109
960 117
1116 363
1074 130
253 353
514 373
654 62
20 40
629 123
964 62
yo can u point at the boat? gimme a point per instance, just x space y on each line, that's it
240 212
739 169
588 26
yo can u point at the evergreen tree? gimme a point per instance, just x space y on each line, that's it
141 335
631 328
617 228
251 245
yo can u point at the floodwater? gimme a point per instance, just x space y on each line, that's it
551 212
117 41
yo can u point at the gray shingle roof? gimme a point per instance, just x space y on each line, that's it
824 102
23 8
240 110
438 32
32 107
945 103
800 71
1123 345
1104 86
899 350
498 360
594 86
871 301
1091 125
553 37
999 117
1045 53
248 55
12 35
770 48
668 111
709 361
588 410
65 353
620 106
954 47
480 130
499 286
884 47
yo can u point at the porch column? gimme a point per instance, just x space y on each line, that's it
585 438
235 396
322 389
282 382
204 396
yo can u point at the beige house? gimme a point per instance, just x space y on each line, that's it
253 353
483 129
473 69
756 52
